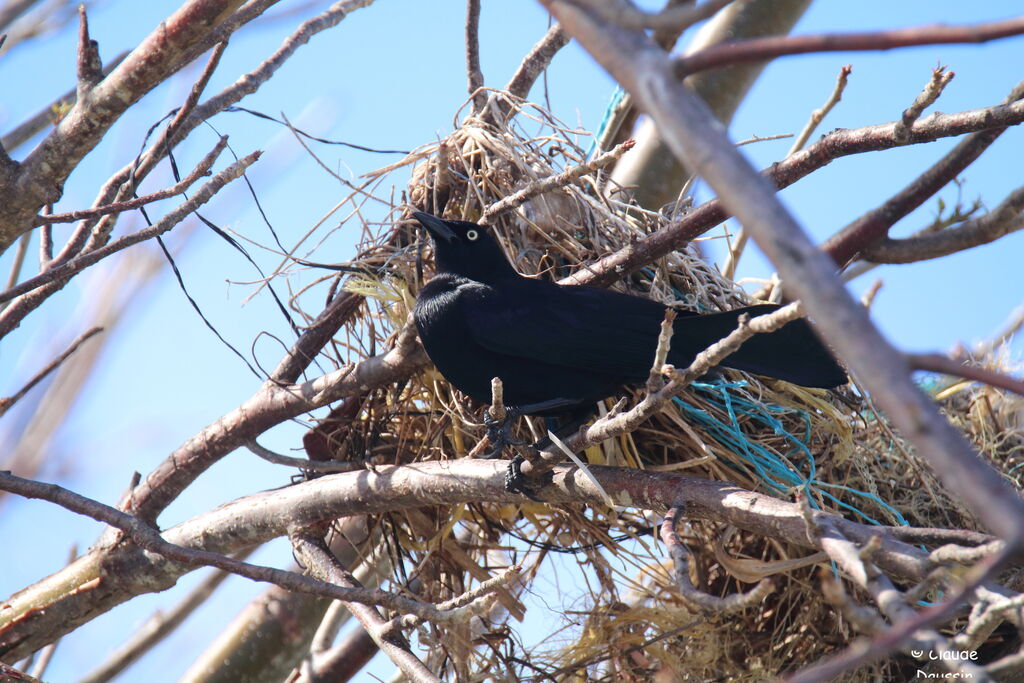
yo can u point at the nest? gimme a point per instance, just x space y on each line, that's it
618 613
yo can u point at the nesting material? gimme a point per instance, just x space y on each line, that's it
614 612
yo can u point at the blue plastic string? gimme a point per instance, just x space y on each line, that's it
776 471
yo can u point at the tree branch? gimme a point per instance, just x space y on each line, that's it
1001 221
838 143
762 49
63 601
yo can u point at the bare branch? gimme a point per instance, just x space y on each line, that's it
536 61
991 120
699 600
818 115
63 601
173 218
761 49
6 403
940 79
1001 221
320 562
562 179
936 362
474 74
42 174
202 169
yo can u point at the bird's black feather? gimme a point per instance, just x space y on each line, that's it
558 347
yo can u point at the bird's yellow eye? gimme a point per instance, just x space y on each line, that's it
471 235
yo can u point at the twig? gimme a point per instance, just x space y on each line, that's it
201 170
19 260
173 218
762 49
497 408
302 463
697 599
155 629
536 61
318 560
615 422
471 598
6 403
31 126
990 120
818 115
474 75
940 79
654 378
936 362
815 119
1001 221
90 68
553 182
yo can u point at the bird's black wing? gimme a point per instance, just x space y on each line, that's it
579 327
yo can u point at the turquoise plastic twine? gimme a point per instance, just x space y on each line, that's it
606 119
776 471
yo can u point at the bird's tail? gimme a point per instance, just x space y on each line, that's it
793 353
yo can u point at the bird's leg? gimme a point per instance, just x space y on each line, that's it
499 432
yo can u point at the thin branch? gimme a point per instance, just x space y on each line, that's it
698 599
991 121
18 261
473 73
201 170
554 182
616 422
940 79
173 218
536 61
1001 221
818 115
320 562
33 125
762 49
273 403
6 403
304 464
936 362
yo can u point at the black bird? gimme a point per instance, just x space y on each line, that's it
559 348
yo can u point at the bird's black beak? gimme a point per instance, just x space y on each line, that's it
437 228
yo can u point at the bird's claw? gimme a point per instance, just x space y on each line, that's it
499 433
516 481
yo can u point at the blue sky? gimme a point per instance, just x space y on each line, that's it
392 76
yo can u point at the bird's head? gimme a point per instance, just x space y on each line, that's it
465 248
